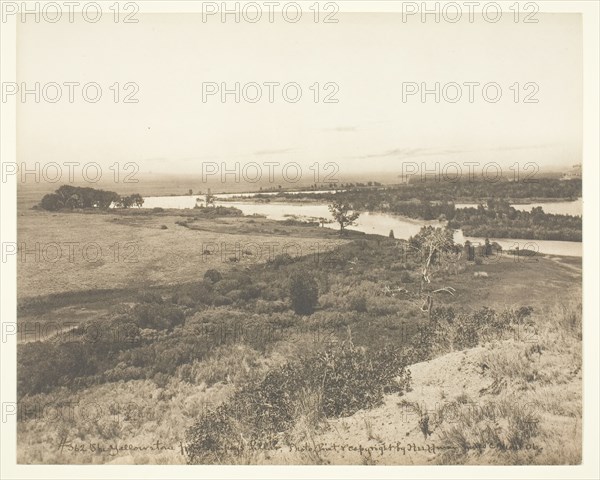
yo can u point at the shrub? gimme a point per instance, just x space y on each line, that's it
504 427
443 313
221 300
158 316
150 297
213 276
304 292
265 307
358 303
466 334
281 260
355 378
201 293
69 360
338 381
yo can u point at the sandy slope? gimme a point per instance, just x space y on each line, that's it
458 390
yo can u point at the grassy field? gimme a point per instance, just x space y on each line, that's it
124 249
154 351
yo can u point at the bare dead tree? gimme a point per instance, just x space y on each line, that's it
431 244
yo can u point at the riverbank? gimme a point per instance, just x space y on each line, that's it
374 223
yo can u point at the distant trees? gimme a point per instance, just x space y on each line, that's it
209 199
129 201
138 200
431 200
78 197
69 197
343 214
499 219
304 292
52 202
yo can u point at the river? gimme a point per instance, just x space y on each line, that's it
381 223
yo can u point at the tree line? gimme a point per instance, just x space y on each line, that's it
491 218
69 197
499 219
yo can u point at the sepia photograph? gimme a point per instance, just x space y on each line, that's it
316 233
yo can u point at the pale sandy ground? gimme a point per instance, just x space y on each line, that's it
437 384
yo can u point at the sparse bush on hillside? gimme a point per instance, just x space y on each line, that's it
568 318
304 292
150 297
213 276
158 316
443 314
264 307
280 260
449 331
358 302
466 332
502 428
340 381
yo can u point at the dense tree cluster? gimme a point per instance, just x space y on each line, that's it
69 197
499 219
493 218
449 192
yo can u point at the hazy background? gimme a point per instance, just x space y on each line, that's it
370 130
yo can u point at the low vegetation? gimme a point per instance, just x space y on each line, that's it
337 381
280 349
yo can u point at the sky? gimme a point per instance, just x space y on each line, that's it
368 56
